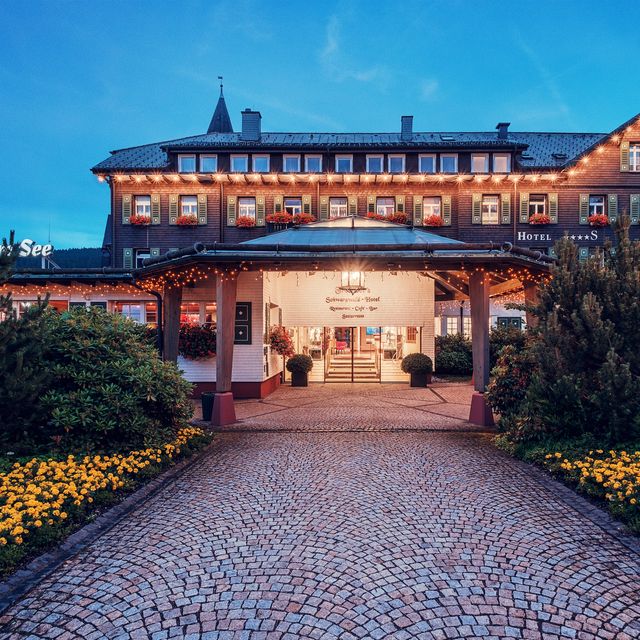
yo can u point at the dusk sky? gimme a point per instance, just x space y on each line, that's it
78 79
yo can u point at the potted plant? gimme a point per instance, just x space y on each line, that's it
299 365
432 221
598 220
197 341
539 219
420 367
280 341
398 217
303 218
188 220
245 222
139 221
278 221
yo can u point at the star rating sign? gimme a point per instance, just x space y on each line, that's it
572 237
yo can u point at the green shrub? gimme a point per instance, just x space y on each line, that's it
500 337
453 355
197 341
417 363
299 363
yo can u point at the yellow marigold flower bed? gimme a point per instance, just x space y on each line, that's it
42 493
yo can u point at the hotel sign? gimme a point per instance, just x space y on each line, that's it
526 236
28 248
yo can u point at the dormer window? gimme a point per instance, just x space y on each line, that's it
501 163
427 163
291 163
396 163
375 163
479 163
344 164
260 163
449 163
186 163
239 163
313 163
208 164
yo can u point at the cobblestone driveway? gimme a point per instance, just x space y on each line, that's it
373 534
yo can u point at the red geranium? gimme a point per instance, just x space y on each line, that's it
432 221
189 220
280 341
139 221
374 215
598 220
197 341
398 217
303 218
245 222
281 217
539 218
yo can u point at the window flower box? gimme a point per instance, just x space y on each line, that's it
598 220
303 218
539 219
245 222
374 215
188 220
139 221
397 217
278 221
432 221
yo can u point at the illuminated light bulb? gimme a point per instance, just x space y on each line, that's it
600 149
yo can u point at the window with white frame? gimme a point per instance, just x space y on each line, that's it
537 204
210 313
427 163
338 208
449 163
466 327
396 163
208 164
596 205
432 206
293 206
490 205
385 206
188 205
501 163
186 163
291 164
131 310
452 325
143 206
344 164
247 207
260 163
479 163
239 163
634 156
140 256
150 313
190 313
375 163
313 163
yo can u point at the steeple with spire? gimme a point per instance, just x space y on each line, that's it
221 122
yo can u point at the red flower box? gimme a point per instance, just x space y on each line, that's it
303 218
280 218
189 220
433 221
539 218
139 221
599 220
245 222
397 217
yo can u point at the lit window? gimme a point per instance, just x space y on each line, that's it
431 206
375 164
261 164
501 163
190 313
186 164
537 204
596 205
396 163
490 209
385 206
143 206
338 208
634 156
449 163
466 327
188 205
141 255
239 164
344 164
313 164
247 207
293 206
131 310
291 164
151 313
452 325
427 163
210 314
208 164
479 163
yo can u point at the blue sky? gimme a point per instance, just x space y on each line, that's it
78 79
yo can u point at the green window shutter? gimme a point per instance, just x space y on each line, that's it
352 205
155 252
417 210
232 207
371 204
584 208
400 204
306 204
278 204
174 200
634 207
260 211
476 208
155 208
553 207
505 208
583 253
624 155
126 208
524 208
446 211
127 258
202 208
612 206
324 208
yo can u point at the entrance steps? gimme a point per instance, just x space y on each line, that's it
340 369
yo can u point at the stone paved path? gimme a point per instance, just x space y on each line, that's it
332 534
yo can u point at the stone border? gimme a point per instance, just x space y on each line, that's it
24 580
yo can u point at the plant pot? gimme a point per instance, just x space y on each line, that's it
299 379
420 379
207 405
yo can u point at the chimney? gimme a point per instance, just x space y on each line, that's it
250 125
406 131
503 130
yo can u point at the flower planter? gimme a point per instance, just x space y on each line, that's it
207 405
420 379
273 227
299 379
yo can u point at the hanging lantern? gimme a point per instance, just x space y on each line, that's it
352 281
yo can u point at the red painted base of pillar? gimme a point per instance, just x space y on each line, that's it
480 411
224 411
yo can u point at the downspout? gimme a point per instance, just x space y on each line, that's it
113 221
516 204
222 221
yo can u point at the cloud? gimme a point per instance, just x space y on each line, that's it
429 88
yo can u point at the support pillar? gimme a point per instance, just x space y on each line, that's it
223 407
172 301
531 299
479 301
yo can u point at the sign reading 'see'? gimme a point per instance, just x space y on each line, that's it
29 248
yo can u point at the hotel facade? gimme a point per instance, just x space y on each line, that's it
363 245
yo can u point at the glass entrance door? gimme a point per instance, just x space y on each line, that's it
353 355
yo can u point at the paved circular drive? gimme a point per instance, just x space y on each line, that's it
375 534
